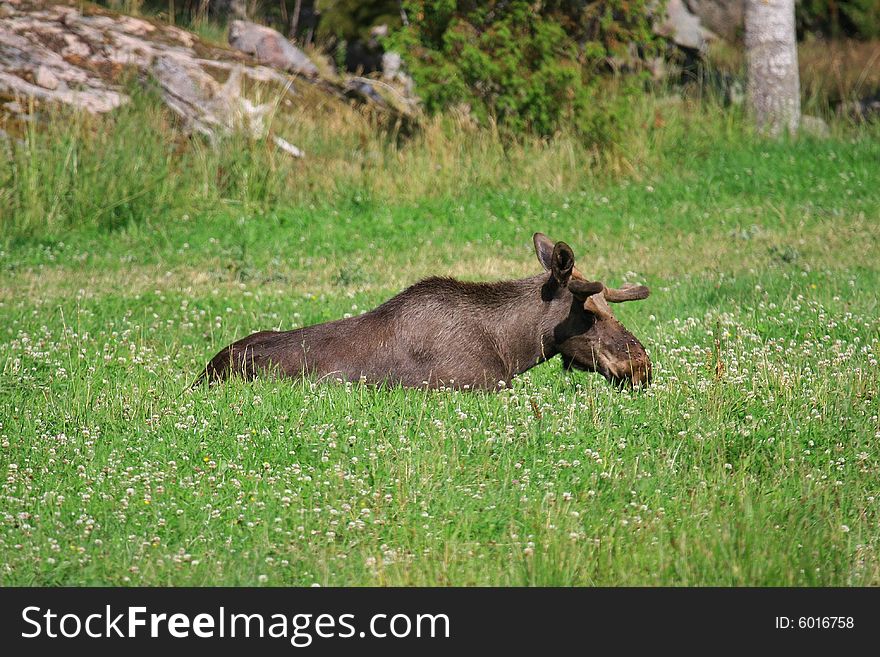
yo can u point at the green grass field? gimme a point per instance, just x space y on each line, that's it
753 459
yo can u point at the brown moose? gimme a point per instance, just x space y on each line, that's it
444 332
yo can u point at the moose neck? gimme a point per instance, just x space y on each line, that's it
522 329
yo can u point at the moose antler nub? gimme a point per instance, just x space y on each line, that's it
628 292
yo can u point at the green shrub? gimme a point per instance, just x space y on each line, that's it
529 67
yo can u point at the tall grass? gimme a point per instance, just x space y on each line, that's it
831 71
137 166
75 171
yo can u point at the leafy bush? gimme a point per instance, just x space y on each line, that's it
530 67
350 20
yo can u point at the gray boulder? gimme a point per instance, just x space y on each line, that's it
271 48
682 27
814 126
723 17
693 23
863 109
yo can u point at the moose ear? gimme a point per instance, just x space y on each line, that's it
543 249
628 292
562 263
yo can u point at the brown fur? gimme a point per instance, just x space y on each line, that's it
444 332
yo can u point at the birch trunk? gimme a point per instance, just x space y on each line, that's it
771 52
294 20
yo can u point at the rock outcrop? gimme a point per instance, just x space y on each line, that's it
270 48
724 18
692 24
62 54
55 53
682 27
393 93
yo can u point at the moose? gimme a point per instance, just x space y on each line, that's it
446 332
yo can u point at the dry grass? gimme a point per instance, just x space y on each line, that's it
828 245
834 71
830 71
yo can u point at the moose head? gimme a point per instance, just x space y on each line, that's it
590 337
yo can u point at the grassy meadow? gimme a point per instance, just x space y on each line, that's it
128 259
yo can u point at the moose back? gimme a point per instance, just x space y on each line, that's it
444 332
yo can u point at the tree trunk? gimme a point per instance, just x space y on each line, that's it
294 20
771 52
